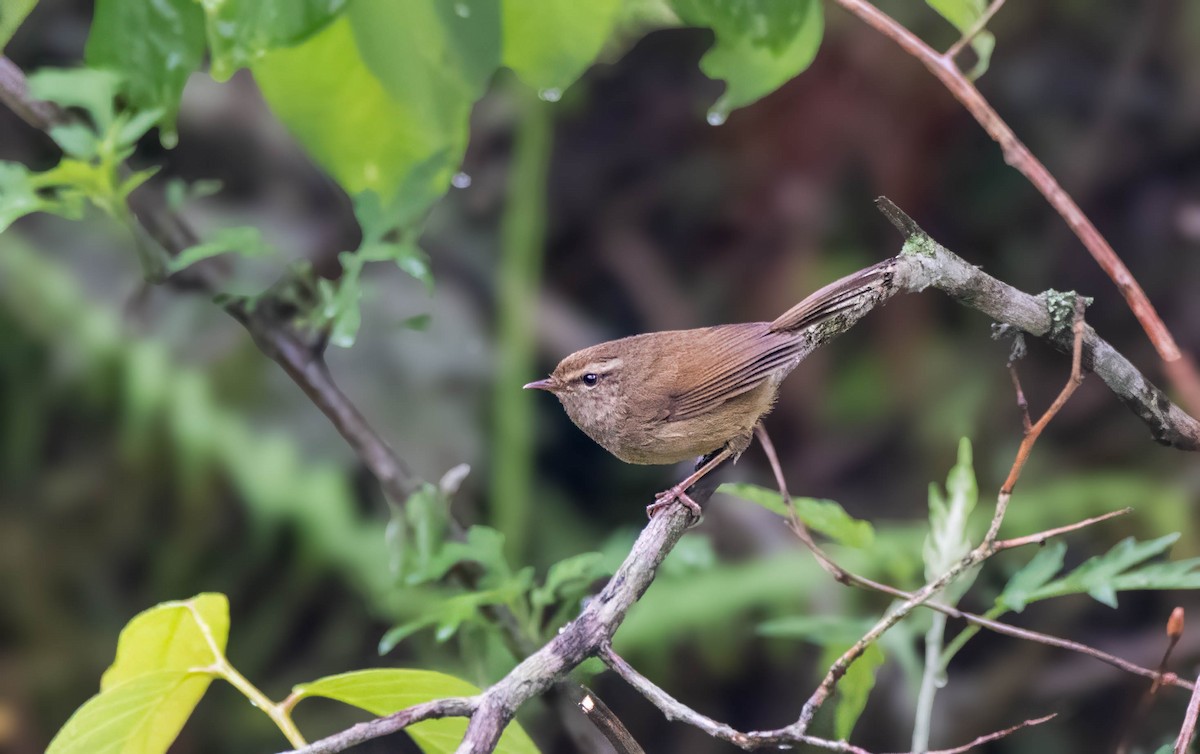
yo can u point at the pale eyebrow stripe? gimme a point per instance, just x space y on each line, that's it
599 367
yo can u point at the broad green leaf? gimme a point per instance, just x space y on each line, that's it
142 715
384 691
1033 576
963 14
368 140
550 43
153 47
246 241
824 516
176 636
241 32
12 13
759 46
855 687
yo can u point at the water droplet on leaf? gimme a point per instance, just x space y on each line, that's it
551 94
460 181
716 117
462 10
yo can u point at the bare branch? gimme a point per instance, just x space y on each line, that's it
608 723
1188 731
383 726
1180 369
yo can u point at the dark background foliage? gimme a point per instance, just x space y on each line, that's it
148 452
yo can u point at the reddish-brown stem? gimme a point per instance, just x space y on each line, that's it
1180 370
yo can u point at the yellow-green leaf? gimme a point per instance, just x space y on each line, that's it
549 43
139 716
387 690
177 636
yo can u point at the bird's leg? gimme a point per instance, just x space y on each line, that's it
678 493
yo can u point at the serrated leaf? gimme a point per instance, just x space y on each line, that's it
550 43
963 14
240 32
171 636
153 46
484 545
245 241
140 716
88 89
824 516
1103 576
751 57
1033 576
569 577
949 515
855 687
384 691
21 194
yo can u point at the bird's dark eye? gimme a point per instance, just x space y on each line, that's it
590 379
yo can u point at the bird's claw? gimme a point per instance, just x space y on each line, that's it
670 497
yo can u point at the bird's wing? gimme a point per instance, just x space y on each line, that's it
730 360
727 361
834 298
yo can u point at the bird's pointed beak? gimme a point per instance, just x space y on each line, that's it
546 384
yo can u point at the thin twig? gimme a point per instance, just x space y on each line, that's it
1180 369
1041 536
980 24
1031 437
1026 423
394 723
608 723
1188 731
1174 633
673 709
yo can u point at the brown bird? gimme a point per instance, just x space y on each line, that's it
664 397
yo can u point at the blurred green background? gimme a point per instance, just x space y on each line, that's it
149 452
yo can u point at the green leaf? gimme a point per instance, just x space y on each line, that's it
153 47
948 539
1104 575
484 546
90 90
245 241
550 43
154 683
368 136
140 716
855 687
171 636
963 14
240 32
824 516
12 13
22 193
1036 573
759 45
570 577
384 691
